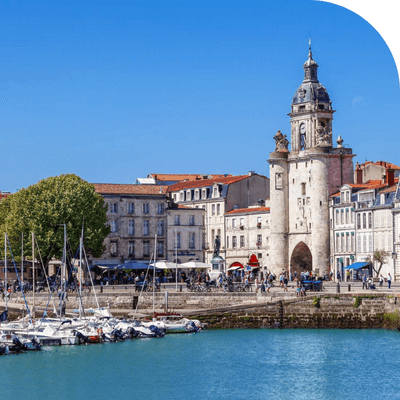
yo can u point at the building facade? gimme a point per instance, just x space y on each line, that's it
247 238
185 234
136 213
217 196
363 221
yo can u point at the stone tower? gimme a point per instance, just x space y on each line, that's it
302 179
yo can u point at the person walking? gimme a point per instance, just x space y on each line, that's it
285 283
389 280
257 282
365 281
381 280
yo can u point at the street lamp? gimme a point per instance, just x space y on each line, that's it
394 256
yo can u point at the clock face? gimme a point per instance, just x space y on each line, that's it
303 128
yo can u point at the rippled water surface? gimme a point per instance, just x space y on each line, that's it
226 364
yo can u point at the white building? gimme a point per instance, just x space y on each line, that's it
217 196
247 233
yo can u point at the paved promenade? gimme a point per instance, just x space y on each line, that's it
276 293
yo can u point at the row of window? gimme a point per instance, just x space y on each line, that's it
242 241
345 242
231 223
114 208
198 194
344 216
131 227
134 246
191 243
177 220
364 219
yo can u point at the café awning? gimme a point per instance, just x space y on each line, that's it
358 265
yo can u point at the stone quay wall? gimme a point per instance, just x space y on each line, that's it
247 310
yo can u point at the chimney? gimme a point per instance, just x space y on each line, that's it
359 178
390 176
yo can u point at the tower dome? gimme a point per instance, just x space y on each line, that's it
311 90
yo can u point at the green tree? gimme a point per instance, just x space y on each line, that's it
380 257
43 208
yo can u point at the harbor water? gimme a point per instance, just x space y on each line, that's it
225 364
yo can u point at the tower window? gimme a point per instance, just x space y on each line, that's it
302 107
303 189
321 106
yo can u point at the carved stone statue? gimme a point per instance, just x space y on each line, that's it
323 137
281 143
217 245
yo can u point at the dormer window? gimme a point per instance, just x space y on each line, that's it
197 194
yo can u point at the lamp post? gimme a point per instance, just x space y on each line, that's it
394 257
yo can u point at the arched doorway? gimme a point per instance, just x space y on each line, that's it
301 259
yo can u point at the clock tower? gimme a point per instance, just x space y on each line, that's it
303 177
312 114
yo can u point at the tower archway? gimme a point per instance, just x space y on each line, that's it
301 259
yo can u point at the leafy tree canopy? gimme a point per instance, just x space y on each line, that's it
380 257
43 208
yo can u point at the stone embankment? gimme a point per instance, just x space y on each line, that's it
246 310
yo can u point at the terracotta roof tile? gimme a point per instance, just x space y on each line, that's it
248 210
206 182
373 184
117 188
384 164
184 177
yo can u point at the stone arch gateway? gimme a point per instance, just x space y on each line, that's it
301 259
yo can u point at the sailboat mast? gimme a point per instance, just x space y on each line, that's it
22 258
154 271
63 287
80 274
176 261
33 274
5 269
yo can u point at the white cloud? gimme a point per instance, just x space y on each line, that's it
357 100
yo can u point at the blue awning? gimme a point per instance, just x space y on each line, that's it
134 265
358 265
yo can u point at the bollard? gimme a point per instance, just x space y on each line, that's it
101 289
166 302
180 288
135 301
338 288
349 287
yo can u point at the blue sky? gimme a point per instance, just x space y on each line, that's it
114 91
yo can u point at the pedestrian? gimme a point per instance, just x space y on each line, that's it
285 283
348 275
381 280
269 284
389 280
364 281
257 284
